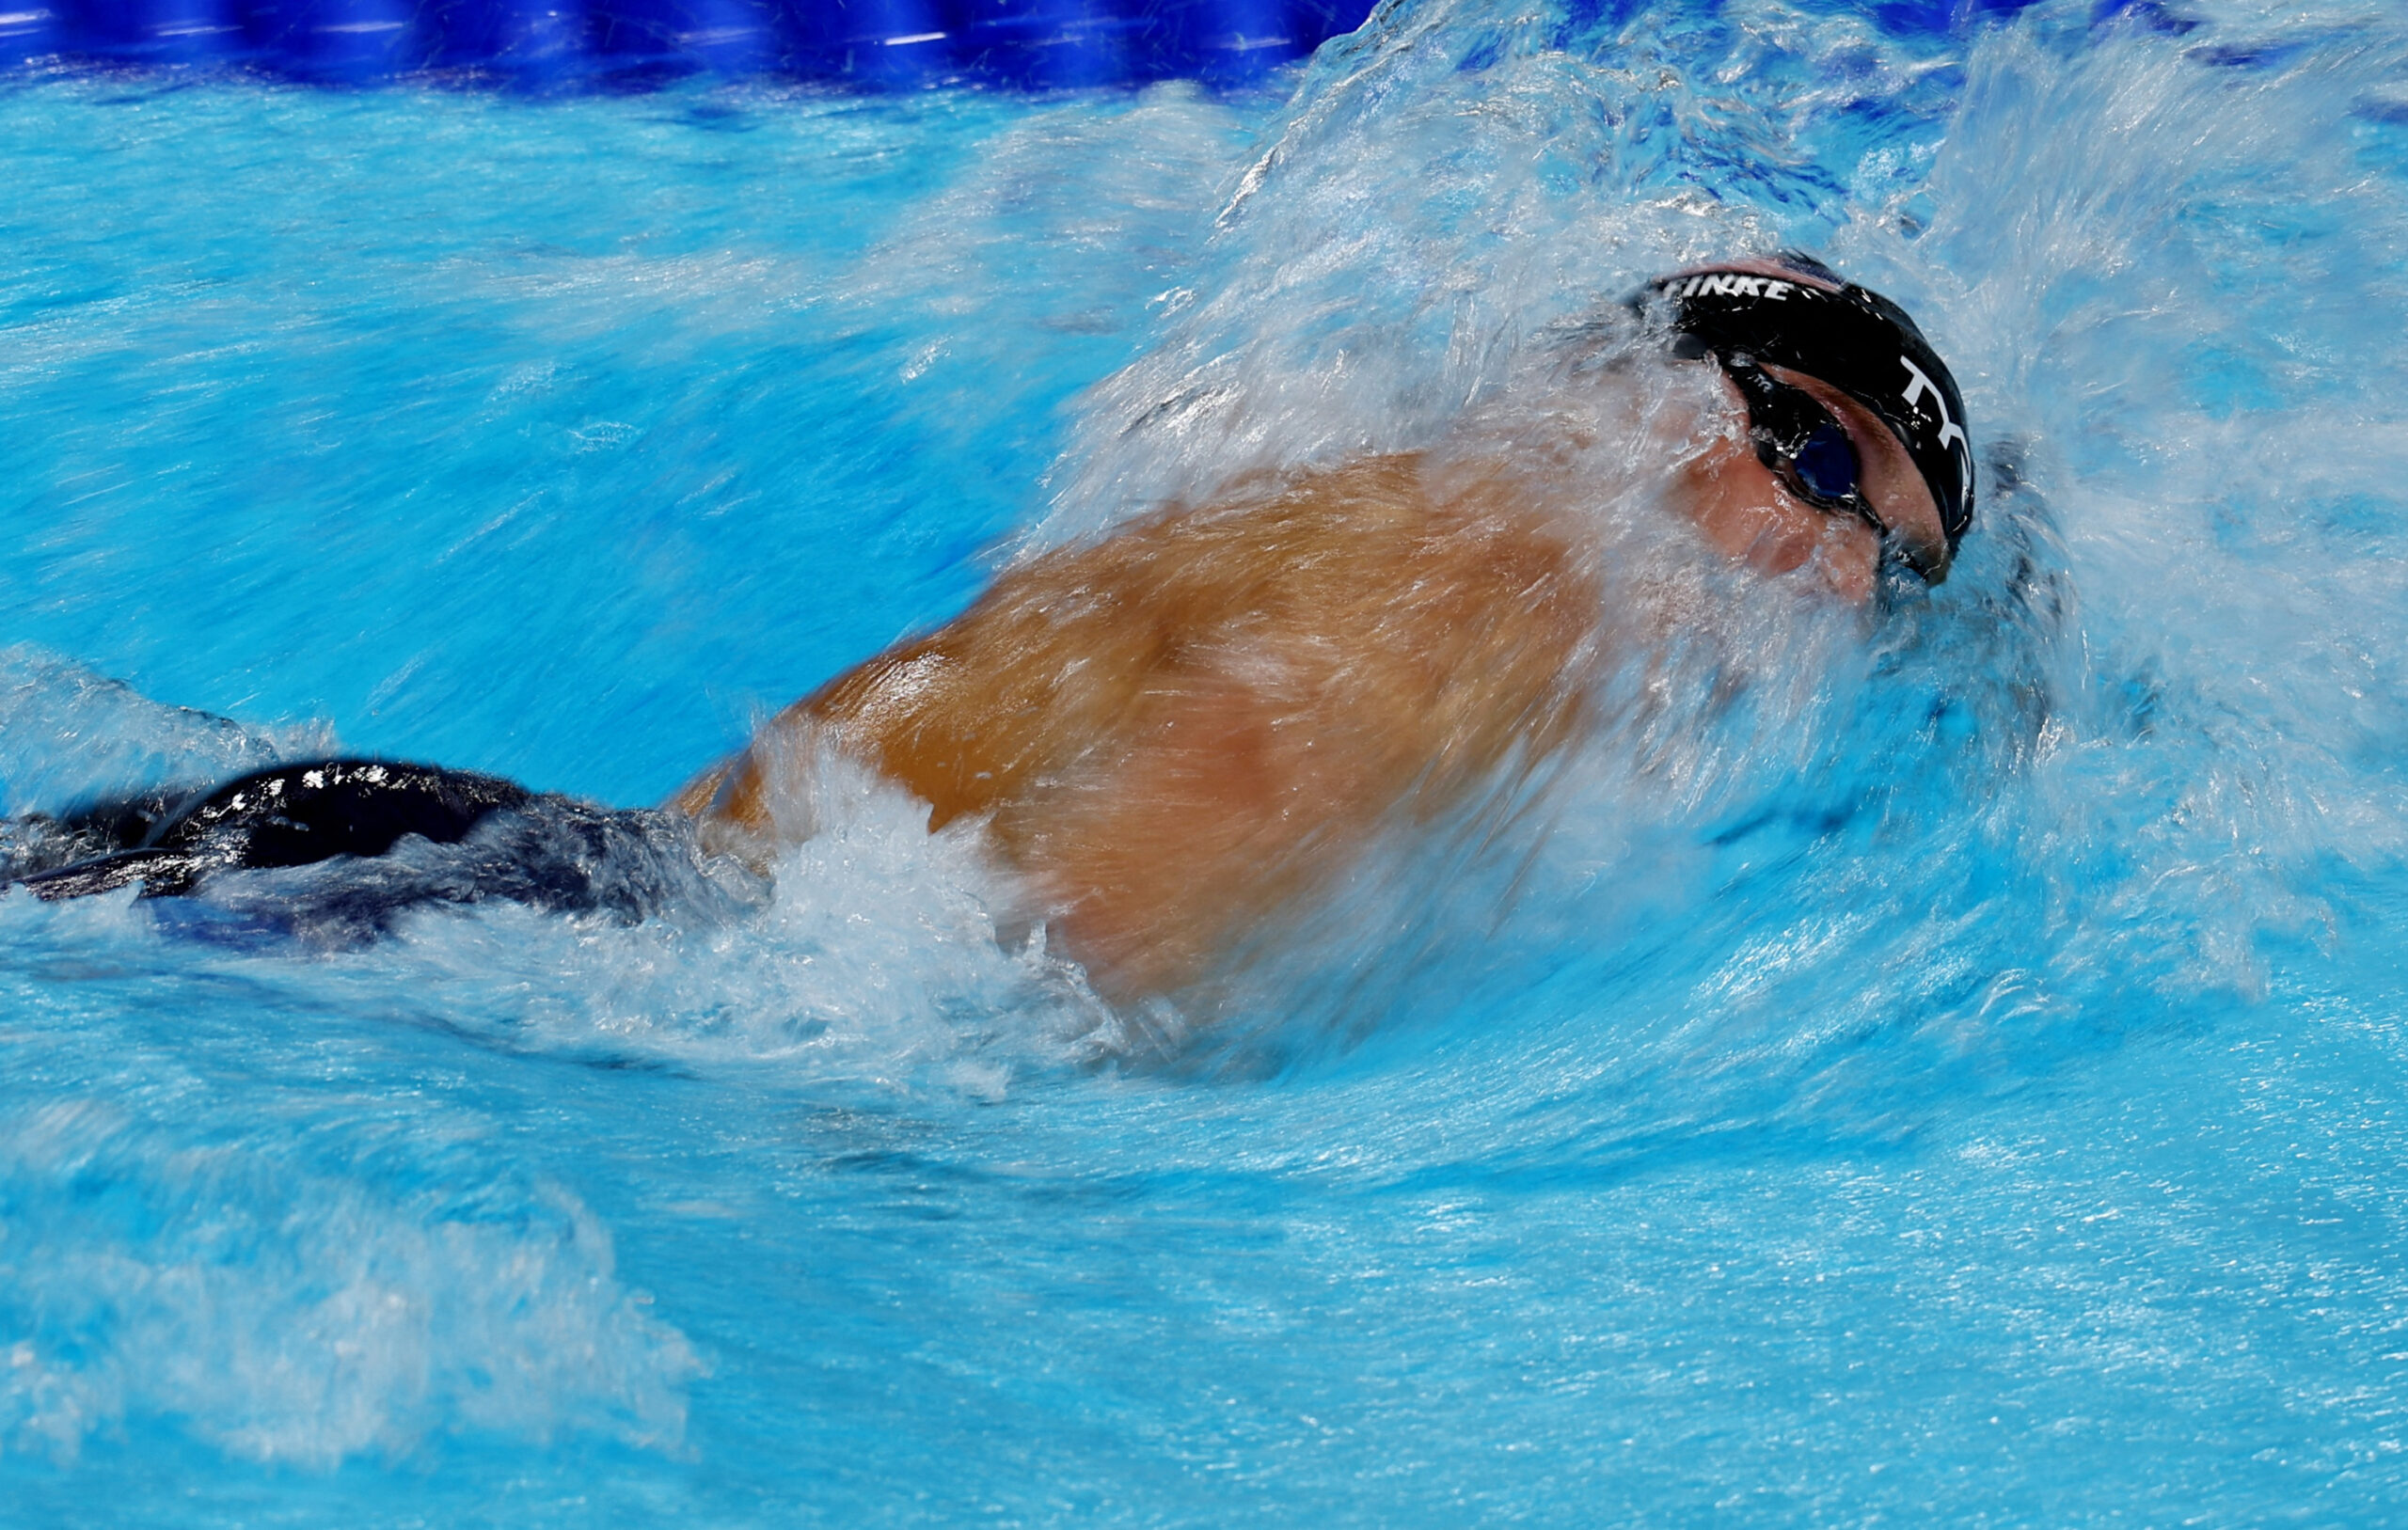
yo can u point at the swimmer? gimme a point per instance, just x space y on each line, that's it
1173 733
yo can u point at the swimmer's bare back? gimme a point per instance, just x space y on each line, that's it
1176 732
1173 733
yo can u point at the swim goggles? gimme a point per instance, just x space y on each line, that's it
1857 341
1807 450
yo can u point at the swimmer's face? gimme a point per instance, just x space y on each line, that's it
1748 513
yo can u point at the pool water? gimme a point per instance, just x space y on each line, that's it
1946 1068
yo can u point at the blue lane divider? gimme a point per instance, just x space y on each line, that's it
630 44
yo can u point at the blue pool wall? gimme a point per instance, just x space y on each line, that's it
874 44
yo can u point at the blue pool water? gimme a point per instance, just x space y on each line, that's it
1953 1072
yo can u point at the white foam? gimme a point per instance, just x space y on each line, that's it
288 1315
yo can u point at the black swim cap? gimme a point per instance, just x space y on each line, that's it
1857 340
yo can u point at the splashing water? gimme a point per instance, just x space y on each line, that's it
1939 1066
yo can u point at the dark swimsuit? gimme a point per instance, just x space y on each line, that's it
385 837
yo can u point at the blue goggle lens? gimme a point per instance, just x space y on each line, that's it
1826 466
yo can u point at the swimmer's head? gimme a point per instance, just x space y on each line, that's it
1851 413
